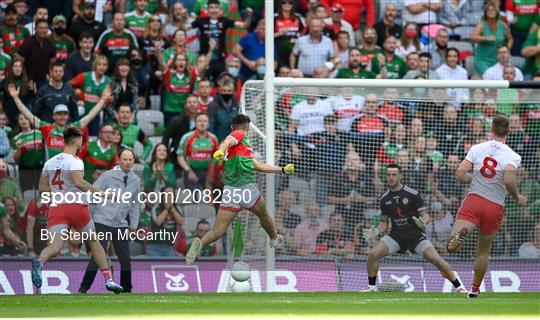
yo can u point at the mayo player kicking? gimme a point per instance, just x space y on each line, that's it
403 210
64 174
239 178
494 165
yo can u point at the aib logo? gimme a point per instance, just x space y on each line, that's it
176 282
170 278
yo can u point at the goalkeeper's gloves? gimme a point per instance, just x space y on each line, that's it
370 233
218 155
288 169
419 222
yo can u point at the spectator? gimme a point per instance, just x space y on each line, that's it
288 27
391 66
395 140
4 61
204 98
338 24
347 107
439 227
36 220
449 131
343 46
8 186
28 153
370 51
202 228
451 70
458 13
531 51
37 52
142 72
12 245
261 71
476 134
356 69
53 132
424 68
508 99
530 112
100 153
438 48
138 19
521 15
22 9
312 50
448 185
421 12
116 42
284 71
53 93
178 126
307 117
390 108
305 234
436 157
179 80
153 43
125 88
353 11
165 217
286 220
490 33
159 172
495 72
80 60
387 26
249 50
86 23
195 154
41 13
334 241
63 43
179 17
517 139
90 85
222 110
412 61
409 41
13 31
531 249
16 75
132 132
212 34
4 143
178 46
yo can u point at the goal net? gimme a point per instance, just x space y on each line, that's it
341 139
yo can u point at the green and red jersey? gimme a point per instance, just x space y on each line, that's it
395 68
32 152
198 149
90 87
4 61
116 46
13 37
98 157
169 54
64 46
239 165
525 12
349 73
177 88
369 57
136 23
54 138
133 133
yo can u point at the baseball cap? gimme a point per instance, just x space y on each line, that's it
337 8
59 18
60 108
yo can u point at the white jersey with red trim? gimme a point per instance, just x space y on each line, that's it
489 160
58 169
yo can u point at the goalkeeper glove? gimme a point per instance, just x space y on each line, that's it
370 233
218 155
288 169
419 222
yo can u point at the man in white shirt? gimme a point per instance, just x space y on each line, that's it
307 117
421 11
496 72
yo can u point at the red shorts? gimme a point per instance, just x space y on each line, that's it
486 215
73 215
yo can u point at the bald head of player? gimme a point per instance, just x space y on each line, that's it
393 177
240 122
500 127
72 140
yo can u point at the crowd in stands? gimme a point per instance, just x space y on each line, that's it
164 78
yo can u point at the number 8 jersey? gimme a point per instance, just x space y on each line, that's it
58 169
489 160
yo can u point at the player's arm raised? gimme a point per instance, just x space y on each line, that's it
463 173
267 168
511 184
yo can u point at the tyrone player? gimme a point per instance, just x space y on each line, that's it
239 178
64 173
404 212
494 165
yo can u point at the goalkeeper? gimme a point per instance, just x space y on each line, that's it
403 207
240 191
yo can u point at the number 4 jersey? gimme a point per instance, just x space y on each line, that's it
489 160
58 169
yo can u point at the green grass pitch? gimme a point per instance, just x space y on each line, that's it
270 304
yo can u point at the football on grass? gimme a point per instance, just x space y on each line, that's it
240 271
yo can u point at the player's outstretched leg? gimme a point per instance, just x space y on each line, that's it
482 261
460 231
49 252
375 254
99 256
223 220
444 267
266 223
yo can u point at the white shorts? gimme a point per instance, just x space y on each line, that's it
235 199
